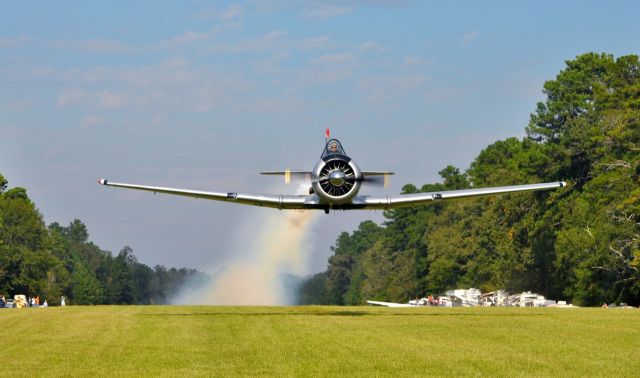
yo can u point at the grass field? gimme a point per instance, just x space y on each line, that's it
318 341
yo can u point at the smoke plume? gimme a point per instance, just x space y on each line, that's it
272 248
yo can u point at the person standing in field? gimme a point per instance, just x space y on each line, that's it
62 303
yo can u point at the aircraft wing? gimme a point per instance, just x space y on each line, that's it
406 200
273 201
390 304
289 202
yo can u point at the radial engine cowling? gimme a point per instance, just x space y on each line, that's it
338 180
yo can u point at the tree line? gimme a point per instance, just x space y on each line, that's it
580 243
52 261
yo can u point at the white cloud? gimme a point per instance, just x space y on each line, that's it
188 37
413 61
273 36
470 37
6 42
196 37
390 88
271 65
278 104
171 85
216 40
276 41
231 12
109 100
266 42
313 43
70 97
316 76
93 45
17 105
9 130
445 94
372 47
323 11
104 99
89 121
336 58
327 69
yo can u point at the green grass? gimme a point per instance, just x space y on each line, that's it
318 341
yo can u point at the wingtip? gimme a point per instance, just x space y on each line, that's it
563 184
102 181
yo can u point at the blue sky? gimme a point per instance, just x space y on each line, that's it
204 95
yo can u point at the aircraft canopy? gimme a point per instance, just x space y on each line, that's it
333 147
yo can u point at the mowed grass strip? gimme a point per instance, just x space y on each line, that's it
319 341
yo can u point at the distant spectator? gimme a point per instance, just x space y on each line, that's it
45 304
3 301
62 302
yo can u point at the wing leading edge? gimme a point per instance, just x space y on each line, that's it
291 202
272 201
406 200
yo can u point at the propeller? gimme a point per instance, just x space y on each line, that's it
382 181
374 180
347 176
289 175
378 178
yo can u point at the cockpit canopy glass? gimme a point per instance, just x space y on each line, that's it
333 147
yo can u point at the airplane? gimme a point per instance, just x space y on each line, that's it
335 185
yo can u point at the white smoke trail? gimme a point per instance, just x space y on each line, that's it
275 246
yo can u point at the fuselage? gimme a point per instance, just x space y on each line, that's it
336 178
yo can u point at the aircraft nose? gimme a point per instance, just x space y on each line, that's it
336 178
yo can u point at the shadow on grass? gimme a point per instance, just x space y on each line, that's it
335 313
311 313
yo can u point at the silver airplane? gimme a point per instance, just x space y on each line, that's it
335 184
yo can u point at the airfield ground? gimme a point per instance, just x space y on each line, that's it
318 341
